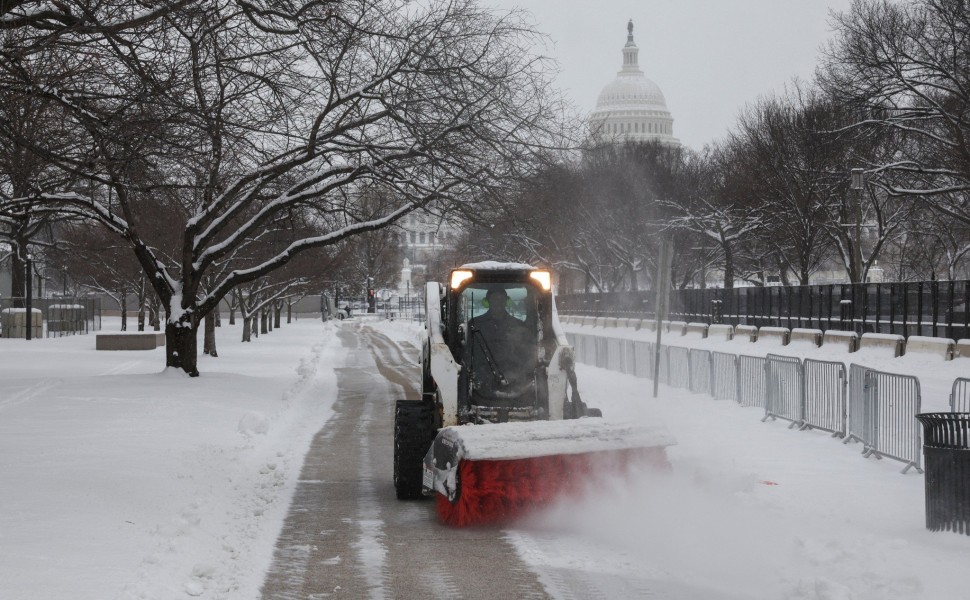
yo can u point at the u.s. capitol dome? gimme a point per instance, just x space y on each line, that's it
632 107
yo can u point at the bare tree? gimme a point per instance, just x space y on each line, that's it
245 117
906 68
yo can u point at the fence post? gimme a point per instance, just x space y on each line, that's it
717 312
845 314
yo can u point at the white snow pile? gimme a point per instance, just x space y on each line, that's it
541 438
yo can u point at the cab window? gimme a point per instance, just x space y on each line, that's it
521 302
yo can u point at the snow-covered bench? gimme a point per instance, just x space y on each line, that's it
746 333
675 327
963 349
720 332
777 336
844 340
696 330
888 342
805 336
130 340
942 347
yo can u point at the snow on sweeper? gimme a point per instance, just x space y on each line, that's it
500 426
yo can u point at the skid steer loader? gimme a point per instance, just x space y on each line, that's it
495 356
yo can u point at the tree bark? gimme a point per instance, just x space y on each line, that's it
181 346
246 330
232 315
142 297
278 309
18 279
728 266
289 312
263 321
209 342
124 310
153 310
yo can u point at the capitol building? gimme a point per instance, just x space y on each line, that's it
632 108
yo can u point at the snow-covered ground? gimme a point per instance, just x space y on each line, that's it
752 509
120 481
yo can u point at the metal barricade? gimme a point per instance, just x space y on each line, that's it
643 359
662 367
578 342
889 404
856 422
784 389
629 357
724 376
678 367
825 396
960 395
602 351
699 362
751 381
614 354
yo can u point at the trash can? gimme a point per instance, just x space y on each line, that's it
946 452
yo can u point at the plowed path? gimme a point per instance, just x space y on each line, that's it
347 536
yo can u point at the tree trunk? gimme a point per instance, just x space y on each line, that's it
247 329
209 342
18 281
153 309
124 311
289 312
181 346
279 309
263 321
232 315
728 267
218 313
255 329
142 297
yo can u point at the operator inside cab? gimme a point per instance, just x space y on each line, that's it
503 350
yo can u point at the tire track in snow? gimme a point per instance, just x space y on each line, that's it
120 367
29 393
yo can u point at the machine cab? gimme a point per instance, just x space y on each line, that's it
497 316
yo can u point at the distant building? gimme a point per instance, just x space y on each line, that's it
632 107
426 239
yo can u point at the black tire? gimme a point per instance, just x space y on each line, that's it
414 431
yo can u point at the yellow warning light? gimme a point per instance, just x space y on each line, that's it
459 277
543 278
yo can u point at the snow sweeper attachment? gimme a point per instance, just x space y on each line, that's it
500 427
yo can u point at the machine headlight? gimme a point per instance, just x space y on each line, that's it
543 278
459 277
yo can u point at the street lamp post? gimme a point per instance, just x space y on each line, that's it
28 300
857 184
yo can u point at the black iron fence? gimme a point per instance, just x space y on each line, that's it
930 308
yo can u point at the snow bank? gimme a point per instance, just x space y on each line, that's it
121 479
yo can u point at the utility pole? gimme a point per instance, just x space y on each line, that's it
664 262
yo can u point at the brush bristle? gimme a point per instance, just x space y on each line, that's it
498 491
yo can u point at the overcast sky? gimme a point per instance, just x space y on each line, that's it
710 57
